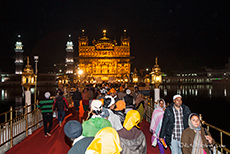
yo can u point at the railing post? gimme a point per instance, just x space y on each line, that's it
221 142
26 111
37 114
11 127
5 117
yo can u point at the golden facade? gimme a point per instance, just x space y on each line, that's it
104 60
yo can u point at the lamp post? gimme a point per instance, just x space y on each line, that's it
28 81
135 77
36 77
156 80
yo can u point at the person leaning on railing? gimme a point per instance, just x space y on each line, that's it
194 139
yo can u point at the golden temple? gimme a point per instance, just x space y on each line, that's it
105 60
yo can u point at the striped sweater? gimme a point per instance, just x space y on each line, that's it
46 105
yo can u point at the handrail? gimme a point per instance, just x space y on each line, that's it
219 145
27 122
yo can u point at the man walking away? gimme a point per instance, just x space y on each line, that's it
175 120
61 105
76 98
46 109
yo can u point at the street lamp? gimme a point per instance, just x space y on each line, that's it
135 77
28 81
156 80
36 76
147 79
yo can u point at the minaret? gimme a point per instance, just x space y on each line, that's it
69 56
18 57
125 40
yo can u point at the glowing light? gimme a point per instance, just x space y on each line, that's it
80 72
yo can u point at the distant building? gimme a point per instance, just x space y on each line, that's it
69 57
18 57
104 60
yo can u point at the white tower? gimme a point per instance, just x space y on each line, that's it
18 57
69 57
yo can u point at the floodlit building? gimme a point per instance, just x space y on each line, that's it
104 60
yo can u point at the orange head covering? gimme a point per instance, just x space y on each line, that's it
132 118
121 88
106 141
112 91
102 100
120 105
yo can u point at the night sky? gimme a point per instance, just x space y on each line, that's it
185 35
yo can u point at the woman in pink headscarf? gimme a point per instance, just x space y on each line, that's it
156 123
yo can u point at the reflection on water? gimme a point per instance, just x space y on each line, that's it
15 96
4 95
207 91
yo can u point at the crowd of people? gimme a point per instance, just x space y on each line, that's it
112 125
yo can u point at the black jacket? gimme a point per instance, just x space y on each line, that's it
60 103
169 122
76 96
129 101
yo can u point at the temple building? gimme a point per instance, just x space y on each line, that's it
104 60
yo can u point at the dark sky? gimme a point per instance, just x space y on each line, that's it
183 34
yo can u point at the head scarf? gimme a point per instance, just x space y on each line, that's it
158 105
197 142
106 141
47 95
120 105
108 101
112 91
132 118
121 88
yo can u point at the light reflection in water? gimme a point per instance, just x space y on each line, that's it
165 92
4 95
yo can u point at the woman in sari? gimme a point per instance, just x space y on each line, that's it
156 123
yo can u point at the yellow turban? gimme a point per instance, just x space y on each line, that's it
106 141
132 118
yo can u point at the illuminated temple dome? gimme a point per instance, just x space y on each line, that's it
104 60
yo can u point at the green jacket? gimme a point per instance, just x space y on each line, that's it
46 106
93 125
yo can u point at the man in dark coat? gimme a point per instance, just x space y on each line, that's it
61 105
175 120
76 99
